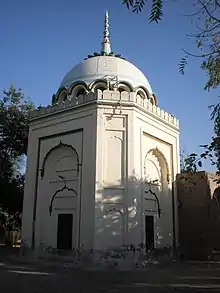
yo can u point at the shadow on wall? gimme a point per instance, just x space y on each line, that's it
134 213
199 215
215 218
133 225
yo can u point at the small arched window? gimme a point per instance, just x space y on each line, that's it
62 96
153 99
123 88
142 93
78 90
81 91
101 88
99 85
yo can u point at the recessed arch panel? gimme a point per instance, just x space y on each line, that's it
162 162
61 144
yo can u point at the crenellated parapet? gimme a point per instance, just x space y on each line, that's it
107 97
63 105
146 104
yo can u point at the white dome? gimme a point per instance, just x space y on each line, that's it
98 67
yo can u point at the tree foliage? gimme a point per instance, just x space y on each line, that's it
11 198
14 111
137 6
207 38
206 17
213 149
188 163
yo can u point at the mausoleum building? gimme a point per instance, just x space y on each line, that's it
102 161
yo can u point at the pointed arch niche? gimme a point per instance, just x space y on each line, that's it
60 158
156 170
156 181
59 193
60 170
157 202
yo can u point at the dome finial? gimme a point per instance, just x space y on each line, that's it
106 45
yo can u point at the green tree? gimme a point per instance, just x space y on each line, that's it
11 198
14 112
188 163
207 38
156 8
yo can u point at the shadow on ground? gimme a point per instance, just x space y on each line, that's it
23 276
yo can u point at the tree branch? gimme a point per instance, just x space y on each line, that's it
216 2
200 56
193 14
207 11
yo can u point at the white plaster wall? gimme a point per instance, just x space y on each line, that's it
163 225
151 133
137 132
49 130
65 201
112 146
111 177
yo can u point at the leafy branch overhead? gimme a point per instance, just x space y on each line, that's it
182 64
137 6
190 163
205 15
207 39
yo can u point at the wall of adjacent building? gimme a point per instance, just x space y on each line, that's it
199 215
214 188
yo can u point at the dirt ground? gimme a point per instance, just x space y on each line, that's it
17 275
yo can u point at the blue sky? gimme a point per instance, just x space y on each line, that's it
42 40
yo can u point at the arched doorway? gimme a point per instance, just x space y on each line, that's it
59 197
156 175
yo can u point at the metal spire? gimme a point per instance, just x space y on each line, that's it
106 45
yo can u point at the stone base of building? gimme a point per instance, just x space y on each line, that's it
124 258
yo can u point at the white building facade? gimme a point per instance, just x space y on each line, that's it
102 161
